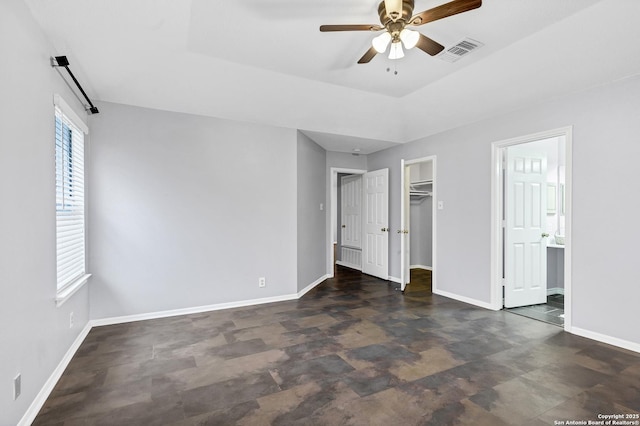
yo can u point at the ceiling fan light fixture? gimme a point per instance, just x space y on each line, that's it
381 42
409 38
396 51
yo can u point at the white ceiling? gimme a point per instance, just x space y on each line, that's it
267 62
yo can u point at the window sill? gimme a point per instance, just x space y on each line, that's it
70 290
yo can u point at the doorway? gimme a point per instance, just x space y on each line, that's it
417 229
349 227
531 224
335 226
374 213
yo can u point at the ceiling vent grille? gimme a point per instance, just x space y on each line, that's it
459 50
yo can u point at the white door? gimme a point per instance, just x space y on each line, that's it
525 239
375 250
405 254
351 201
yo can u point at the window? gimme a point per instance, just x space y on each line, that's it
70 210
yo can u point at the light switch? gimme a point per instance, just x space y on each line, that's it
321 206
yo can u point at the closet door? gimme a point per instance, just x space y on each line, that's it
405 252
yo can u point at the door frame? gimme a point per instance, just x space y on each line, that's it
434 215
497 201
333 200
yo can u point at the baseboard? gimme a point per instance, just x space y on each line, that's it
313 285
206 308
45 391
426 268
348 265
194 310
625 344
464 299
555 290
394 279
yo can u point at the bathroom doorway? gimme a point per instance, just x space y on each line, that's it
532 211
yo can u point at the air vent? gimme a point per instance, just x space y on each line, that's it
461 49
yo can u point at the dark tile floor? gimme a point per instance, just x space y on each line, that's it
354 351
551 312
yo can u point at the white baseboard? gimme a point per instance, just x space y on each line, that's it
312 285
348 265
194 310
555 290
625 344
45 391
426 268
464 299
206 308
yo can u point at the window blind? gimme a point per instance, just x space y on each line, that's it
70 217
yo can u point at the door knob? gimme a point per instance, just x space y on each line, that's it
384 229
544 235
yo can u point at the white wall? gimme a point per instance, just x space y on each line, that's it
34 334
188 211
605 183
311 217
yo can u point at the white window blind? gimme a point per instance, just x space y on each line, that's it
70 217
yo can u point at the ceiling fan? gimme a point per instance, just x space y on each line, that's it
395 17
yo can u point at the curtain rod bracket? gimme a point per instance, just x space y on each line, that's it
62 61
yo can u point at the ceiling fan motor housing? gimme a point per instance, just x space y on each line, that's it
407 12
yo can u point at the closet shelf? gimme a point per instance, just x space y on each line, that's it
420 189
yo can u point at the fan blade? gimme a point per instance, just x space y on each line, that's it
427 45
367 57
448 9
357 27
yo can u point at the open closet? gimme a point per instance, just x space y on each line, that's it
417 224
420 215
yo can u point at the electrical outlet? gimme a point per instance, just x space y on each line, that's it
262 282
17 386
71 320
